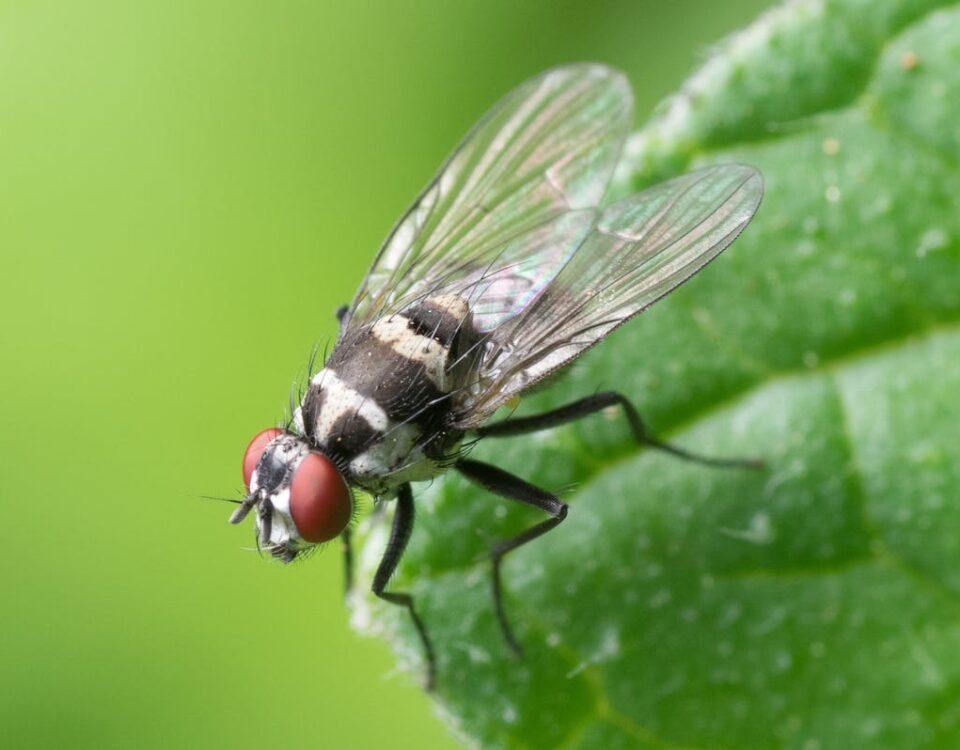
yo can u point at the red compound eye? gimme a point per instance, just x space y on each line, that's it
319 499
254 450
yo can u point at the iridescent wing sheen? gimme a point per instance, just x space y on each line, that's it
512 203
640 249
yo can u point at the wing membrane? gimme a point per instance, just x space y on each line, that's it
641 248
546 150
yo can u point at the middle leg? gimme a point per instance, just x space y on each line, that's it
504 484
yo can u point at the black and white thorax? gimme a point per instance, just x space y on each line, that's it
384 406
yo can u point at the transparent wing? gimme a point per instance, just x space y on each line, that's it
511 204
640 249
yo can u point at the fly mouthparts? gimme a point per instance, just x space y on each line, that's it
283 553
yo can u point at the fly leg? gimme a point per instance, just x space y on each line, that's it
341 313
399 536
506 485
347 562
591 404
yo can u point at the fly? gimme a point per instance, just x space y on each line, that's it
505 269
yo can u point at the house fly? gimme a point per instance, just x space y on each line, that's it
506 268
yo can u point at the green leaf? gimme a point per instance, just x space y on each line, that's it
814 604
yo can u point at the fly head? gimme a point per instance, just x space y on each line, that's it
301 498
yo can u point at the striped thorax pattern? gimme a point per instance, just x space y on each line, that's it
382 407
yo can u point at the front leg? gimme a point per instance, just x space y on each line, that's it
347 562
399 536
504 484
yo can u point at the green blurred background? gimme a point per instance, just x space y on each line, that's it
188 191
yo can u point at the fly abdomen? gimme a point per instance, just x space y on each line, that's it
444 319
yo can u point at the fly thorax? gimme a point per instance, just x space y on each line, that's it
382 403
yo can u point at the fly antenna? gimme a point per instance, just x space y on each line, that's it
221 499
